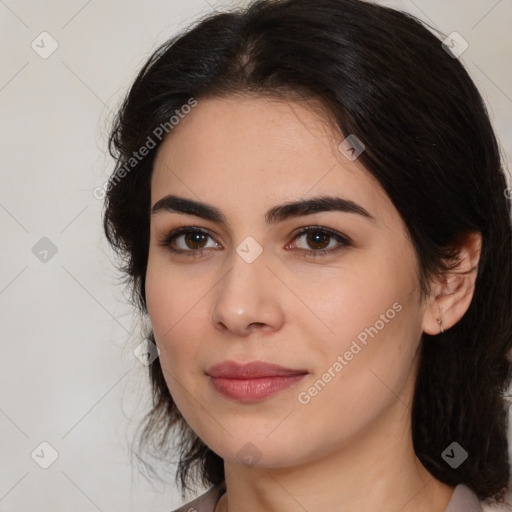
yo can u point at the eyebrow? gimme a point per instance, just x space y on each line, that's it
172 203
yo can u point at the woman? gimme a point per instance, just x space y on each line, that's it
312 212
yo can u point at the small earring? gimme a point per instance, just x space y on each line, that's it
440 323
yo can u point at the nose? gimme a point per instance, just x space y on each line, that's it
248 299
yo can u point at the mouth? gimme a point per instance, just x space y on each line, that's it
252 381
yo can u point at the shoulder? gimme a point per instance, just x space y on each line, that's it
464 500
206 502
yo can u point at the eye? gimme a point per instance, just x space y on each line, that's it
189 240
322 241
193 241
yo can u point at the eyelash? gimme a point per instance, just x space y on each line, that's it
343 240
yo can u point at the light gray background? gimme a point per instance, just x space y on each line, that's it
68 373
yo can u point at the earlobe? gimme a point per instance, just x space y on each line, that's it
451 297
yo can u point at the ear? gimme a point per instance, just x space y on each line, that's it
450 297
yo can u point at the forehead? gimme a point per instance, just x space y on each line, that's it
261 151
259 127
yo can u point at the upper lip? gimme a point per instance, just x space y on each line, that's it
251 370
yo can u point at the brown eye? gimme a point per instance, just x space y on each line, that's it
318 239
195 240
190 241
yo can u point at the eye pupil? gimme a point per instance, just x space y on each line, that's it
317 238
191 239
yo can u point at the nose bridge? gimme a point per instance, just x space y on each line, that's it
246 294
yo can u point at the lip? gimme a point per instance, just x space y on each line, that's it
252 370
252 381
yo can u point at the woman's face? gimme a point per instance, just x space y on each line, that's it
248 287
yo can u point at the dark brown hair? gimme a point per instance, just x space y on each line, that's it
386 78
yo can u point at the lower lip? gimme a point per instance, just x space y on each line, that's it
252 390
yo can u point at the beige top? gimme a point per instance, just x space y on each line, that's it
463 500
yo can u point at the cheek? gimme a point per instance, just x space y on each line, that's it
178 320
167 311
374 331
171 296
161 302
349 300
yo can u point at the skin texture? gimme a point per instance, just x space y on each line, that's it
349 447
